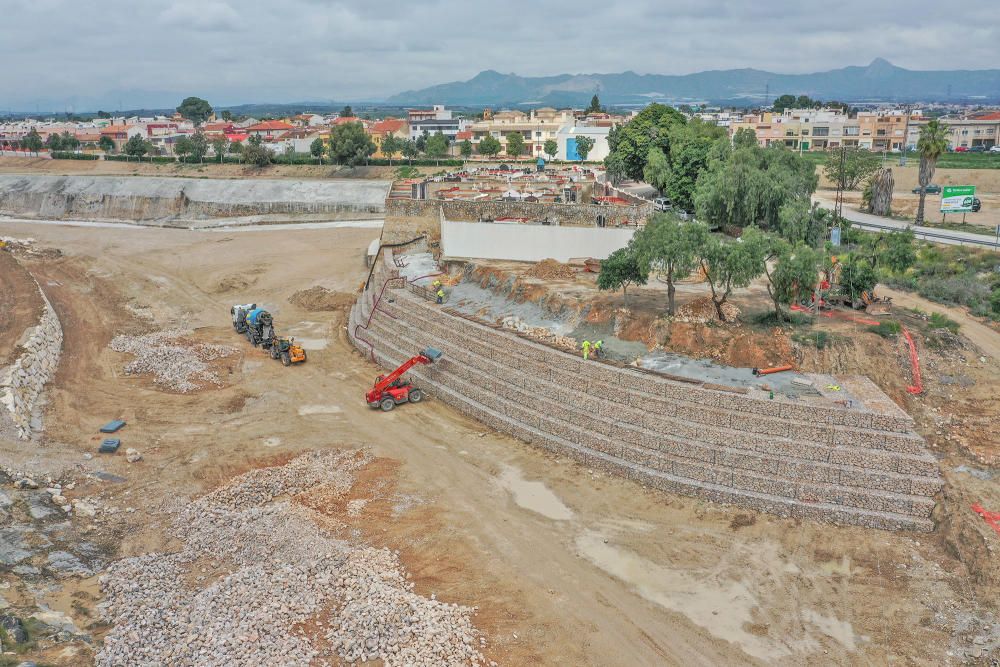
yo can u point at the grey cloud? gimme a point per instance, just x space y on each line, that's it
262 50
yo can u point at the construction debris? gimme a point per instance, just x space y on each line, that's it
550 269
253 572
540 334
703 310
174 363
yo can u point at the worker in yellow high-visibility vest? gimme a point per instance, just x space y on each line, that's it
586 349
440 296
598 349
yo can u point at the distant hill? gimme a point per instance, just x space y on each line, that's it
878 81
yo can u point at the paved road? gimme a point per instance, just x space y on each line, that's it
943 236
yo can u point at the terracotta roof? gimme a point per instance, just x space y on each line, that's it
989 116
463 135
269 125
114 129
346 119
388 125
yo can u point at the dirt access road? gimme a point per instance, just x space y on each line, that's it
566 565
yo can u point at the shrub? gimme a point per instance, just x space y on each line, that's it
939 321
818 339
69 155
887 329
966 289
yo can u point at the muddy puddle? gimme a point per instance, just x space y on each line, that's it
533 496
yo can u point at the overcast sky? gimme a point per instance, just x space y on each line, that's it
77 53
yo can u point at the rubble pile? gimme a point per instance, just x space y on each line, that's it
540 334
702 310
550 269
175 364
267 585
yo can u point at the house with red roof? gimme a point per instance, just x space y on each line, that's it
269 130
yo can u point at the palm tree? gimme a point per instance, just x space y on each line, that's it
932 143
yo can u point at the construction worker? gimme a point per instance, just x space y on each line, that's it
598 349
437 285
586 349
440 296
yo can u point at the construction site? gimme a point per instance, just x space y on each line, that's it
316 421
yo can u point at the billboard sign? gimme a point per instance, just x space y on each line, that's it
957 198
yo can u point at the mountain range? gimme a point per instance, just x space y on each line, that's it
878 81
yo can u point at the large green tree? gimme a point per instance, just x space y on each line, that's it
465 148
390 146
195 110
410 150
798 222
849 167
595 105
670 249
317 148
32 141
629 143
69 141
515 145
931 145
490 146
106 144
621 269
136 146
255 152
730 265
54 142
199 146
437 146
551 147
219 146
350 144
748 185
584 145
182 147
793 273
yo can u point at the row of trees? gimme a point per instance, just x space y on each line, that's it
670 250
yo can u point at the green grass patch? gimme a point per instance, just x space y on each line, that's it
769 318
940 321
961 227
406 171
887 329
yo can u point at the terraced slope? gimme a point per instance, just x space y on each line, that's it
861 466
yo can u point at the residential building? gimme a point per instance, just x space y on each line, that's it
885 129
981 130
269 130
536 128
388 127
434 120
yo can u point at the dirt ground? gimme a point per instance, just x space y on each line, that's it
23 165
20 305
904 202
566 565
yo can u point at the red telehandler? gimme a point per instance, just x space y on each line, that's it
392 389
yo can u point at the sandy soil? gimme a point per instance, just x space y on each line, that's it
20 305
567 566
22 165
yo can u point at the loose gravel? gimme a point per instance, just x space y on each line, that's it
259 581
174 363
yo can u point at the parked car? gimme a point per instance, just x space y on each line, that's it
978 149
662 204
932 189
961 149
995 149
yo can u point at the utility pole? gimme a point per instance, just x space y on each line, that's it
838 207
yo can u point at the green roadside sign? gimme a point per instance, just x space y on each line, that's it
957 198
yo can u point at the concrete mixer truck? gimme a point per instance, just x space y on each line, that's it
260 328
239 314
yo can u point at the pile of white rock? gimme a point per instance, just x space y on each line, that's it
21 382
259 581
175 364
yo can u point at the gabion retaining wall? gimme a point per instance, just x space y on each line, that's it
856 466
21 382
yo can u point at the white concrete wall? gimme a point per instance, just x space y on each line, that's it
529 243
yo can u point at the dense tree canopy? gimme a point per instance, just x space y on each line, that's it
749 185
437 146
136 146
730 265
584 145
490 146
794 273
669 248
465 149
551 148
621 269
195 110
350 144
850 167
515 144
629 143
